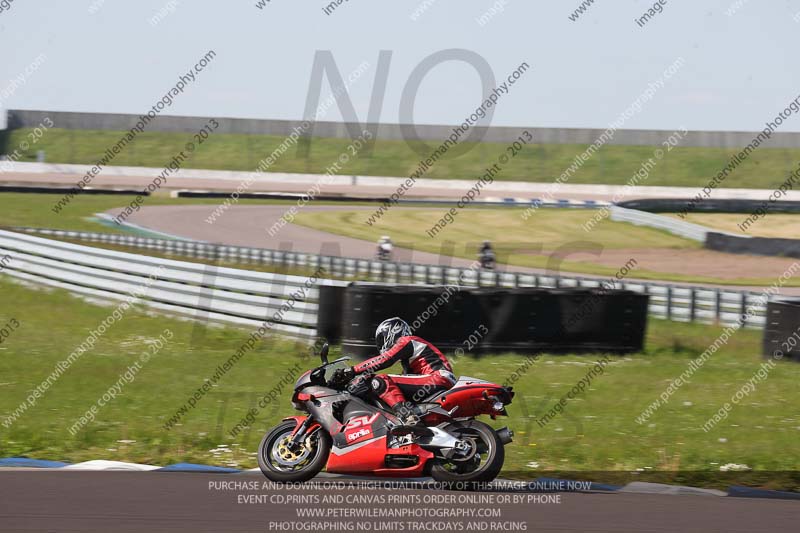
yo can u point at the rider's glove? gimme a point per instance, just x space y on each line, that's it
360 386
342 376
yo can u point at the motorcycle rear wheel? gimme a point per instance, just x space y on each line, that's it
280 463
485 463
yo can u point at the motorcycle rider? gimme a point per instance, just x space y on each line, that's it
385 247
425 369
486 255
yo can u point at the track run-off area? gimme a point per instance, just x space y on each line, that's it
146 501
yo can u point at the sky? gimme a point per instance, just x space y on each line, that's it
739 68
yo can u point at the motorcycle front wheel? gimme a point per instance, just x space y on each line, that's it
279 461
483 460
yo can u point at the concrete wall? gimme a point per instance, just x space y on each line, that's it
112 121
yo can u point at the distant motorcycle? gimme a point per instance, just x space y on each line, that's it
486 256
384 251
349 435
487 260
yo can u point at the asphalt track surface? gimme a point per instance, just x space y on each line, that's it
246 225
156 502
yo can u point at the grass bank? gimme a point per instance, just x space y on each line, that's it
776 225
766 168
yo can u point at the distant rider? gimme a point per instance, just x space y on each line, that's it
385 247
486 255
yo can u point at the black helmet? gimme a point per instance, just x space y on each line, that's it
389 331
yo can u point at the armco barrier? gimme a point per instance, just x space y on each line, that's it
523 320
782 330
673 225
201 291
673 302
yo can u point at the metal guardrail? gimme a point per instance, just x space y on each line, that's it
673 225
672 302
204 292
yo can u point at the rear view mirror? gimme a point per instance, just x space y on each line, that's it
323 353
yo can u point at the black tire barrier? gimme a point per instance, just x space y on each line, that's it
753 245
720 242
781 338
329 314
279 196
709 205
491 320
64 190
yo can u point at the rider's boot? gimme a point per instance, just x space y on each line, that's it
408 413
410 422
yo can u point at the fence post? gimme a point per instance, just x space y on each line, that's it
718 304
669 302
744 309
692 305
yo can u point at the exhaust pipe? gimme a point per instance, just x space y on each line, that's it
505 435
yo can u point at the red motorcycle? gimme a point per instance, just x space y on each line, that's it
349 435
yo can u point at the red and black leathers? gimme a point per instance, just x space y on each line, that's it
425 371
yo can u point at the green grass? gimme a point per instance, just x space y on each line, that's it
548 228
778 225
596 432
33 210
613 164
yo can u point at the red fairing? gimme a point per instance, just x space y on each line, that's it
370 458
473 400
365 452
359 429
299 420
